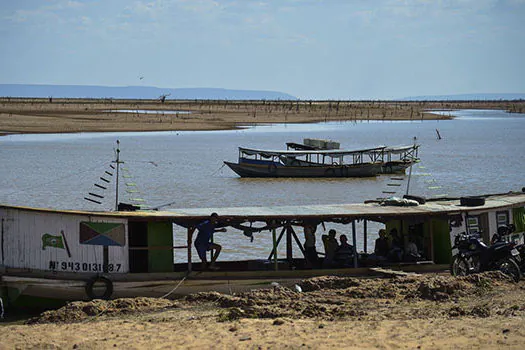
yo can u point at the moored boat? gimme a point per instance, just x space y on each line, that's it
80 255
304 163
395 160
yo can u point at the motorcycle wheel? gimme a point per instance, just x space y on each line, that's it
460 267
510 268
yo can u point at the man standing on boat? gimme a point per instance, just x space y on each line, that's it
204 240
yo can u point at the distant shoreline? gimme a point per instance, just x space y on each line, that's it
43 116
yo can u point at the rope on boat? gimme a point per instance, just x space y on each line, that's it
216 171
174 289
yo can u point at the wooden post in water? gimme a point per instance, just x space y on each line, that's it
354 242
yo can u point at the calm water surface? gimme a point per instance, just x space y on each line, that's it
480 152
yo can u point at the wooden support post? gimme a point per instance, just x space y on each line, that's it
298 242
189 237
354 243
365 231
431 230
274 237
289 249
278 241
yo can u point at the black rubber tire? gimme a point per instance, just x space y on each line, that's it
108 291
459 267
472 201
272 168
511 268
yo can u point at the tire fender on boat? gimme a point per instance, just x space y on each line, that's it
272 168
108 288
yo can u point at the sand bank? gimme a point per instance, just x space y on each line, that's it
76 115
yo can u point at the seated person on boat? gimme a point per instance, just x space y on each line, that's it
312 258
344 255
381 246
204 240
330 248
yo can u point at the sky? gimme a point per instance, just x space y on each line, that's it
311 49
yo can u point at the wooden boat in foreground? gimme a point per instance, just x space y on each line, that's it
55 255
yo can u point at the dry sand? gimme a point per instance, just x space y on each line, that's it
74 115
420 311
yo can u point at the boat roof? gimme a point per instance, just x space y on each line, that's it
392 149
327 212
327 152
400 149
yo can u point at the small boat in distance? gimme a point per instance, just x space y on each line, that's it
321 158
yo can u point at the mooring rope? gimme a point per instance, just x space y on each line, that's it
174 289
216 171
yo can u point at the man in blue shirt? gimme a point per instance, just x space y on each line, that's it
204 240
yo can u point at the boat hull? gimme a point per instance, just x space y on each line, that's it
396 167
177 284
326 171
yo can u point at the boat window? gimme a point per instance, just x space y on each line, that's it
473 224
502 218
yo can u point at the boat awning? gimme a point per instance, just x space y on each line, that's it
295 153
400 149
327 212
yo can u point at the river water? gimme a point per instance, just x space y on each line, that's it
479 152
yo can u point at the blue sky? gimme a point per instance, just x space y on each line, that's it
312 49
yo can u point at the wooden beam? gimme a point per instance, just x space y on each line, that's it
289 249
354 243
189 237
365 229
278 241
298 241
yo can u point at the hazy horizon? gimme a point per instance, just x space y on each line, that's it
311 49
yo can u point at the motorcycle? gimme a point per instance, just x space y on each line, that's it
471 255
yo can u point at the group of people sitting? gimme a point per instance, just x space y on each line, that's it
391 248
337 254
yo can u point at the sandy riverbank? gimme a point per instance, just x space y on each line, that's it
76 115
418 311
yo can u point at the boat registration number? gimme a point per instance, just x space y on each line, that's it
82 266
